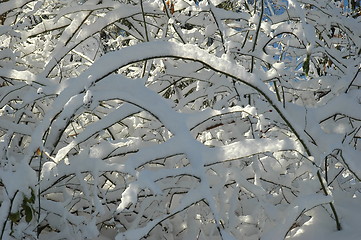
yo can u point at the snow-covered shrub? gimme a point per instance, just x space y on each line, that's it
178 119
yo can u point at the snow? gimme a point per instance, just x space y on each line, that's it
7 6
119 138
21 75
293 211
87 97
350 213
19 177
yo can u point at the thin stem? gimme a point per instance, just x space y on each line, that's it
39 205
338 224
277 92
257 31
145 23
218 26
